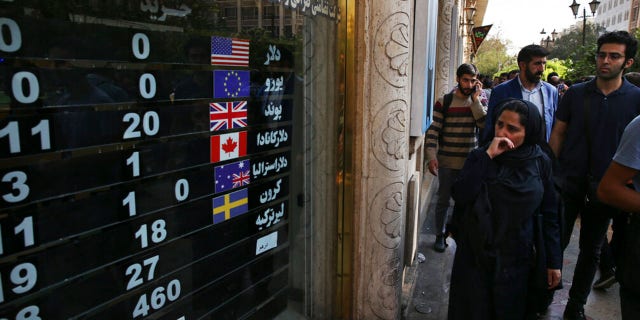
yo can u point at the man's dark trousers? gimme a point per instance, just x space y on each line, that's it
594 223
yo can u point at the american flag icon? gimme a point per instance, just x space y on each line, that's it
229 52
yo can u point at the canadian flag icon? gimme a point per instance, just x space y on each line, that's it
228 146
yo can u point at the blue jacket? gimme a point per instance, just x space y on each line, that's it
511 89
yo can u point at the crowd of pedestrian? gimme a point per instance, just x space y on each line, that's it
524 159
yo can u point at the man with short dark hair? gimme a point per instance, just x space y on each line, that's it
512 74
589 123
450 138
614 189
532 60
633 77
503 77
554 79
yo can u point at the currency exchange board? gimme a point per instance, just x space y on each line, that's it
145 160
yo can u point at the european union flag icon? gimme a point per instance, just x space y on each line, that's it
231 83
230 205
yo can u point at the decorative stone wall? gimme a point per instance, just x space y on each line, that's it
443 53
381 134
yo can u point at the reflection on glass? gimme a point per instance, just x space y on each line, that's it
109 115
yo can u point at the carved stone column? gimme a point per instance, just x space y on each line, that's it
443 53
381 134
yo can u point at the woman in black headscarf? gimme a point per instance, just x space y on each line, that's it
505 221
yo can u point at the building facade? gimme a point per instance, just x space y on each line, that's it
634 15
225 159
614 14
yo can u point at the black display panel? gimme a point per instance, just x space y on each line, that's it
121 287
146 150
75 85
253 277
94 210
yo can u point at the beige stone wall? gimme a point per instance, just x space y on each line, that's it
384 157
443 53
381 133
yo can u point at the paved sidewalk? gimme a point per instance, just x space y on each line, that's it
431 289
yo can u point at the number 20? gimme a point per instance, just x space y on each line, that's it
150 124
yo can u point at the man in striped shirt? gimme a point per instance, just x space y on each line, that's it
451 136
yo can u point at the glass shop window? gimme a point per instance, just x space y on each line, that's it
157 156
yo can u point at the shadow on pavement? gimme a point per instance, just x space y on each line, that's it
430 297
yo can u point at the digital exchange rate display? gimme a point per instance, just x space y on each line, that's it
138 184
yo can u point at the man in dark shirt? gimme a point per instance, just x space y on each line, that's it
589 123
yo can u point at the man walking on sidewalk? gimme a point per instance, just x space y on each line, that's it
450 138
589 123
614 189
528 85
